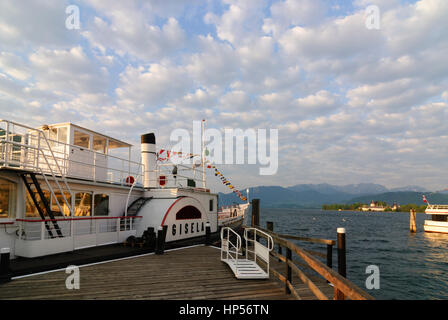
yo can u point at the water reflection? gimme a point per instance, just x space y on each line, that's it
412 266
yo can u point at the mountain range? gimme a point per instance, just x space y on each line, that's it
315 195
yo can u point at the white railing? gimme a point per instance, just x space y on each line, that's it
28 148
230 250
259 250
185 174
37 229
437 207
34 239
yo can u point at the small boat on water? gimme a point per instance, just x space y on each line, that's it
439 217
64 188
232 216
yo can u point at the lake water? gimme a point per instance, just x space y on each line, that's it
412 266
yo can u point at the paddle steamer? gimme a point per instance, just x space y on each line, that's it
64 187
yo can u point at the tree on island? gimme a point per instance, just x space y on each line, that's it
357 207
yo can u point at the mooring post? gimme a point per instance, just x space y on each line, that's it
151 239
255 212
288 270
207 234
256 215
270 227
413 226
160 248
329 257
5 270
342 265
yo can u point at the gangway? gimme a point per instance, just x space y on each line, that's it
246 267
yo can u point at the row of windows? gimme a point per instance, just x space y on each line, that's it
81 139
86 204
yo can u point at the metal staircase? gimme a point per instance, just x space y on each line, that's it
135 206
246 267
31 153
43 207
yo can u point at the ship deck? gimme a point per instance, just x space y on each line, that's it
179 274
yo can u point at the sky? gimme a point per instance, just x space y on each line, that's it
351 104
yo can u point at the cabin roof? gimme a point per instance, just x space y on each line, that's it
113 143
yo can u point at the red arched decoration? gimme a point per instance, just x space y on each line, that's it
188 212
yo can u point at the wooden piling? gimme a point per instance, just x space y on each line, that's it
255 212
329 256
151 239
288 271
5 270
270 227
207 234
412 224
161 235
342 264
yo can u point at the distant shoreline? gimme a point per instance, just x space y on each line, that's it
369 211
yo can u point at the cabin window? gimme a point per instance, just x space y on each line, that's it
60 199
8 195
31 209
101 205
56 135
439 217
83 204
188 212
99 144
62 134
211 205
81 139
53 134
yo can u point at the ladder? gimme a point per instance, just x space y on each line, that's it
246 267
42 206
36 146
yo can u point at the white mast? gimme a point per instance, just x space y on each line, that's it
203 154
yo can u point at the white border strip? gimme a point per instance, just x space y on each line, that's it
102 262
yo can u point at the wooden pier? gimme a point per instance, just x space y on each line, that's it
197 272
189 273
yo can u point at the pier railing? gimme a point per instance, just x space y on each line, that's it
343 288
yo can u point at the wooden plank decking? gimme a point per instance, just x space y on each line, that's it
190 273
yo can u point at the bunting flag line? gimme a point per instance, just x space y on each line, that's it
165 155
226 182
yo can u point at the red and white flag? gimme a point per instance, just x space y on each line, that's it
424 199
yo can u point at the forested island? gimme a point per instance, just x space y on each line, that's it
357 206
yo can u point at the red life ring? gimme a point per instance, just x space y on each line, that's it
162 180
130 180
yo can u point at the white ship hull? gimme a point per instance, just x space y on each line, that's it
92 198
435 226
439 222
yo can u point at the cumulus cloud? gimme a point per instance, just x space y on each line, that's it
351 104
152 86
67 71
129 34
34 22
